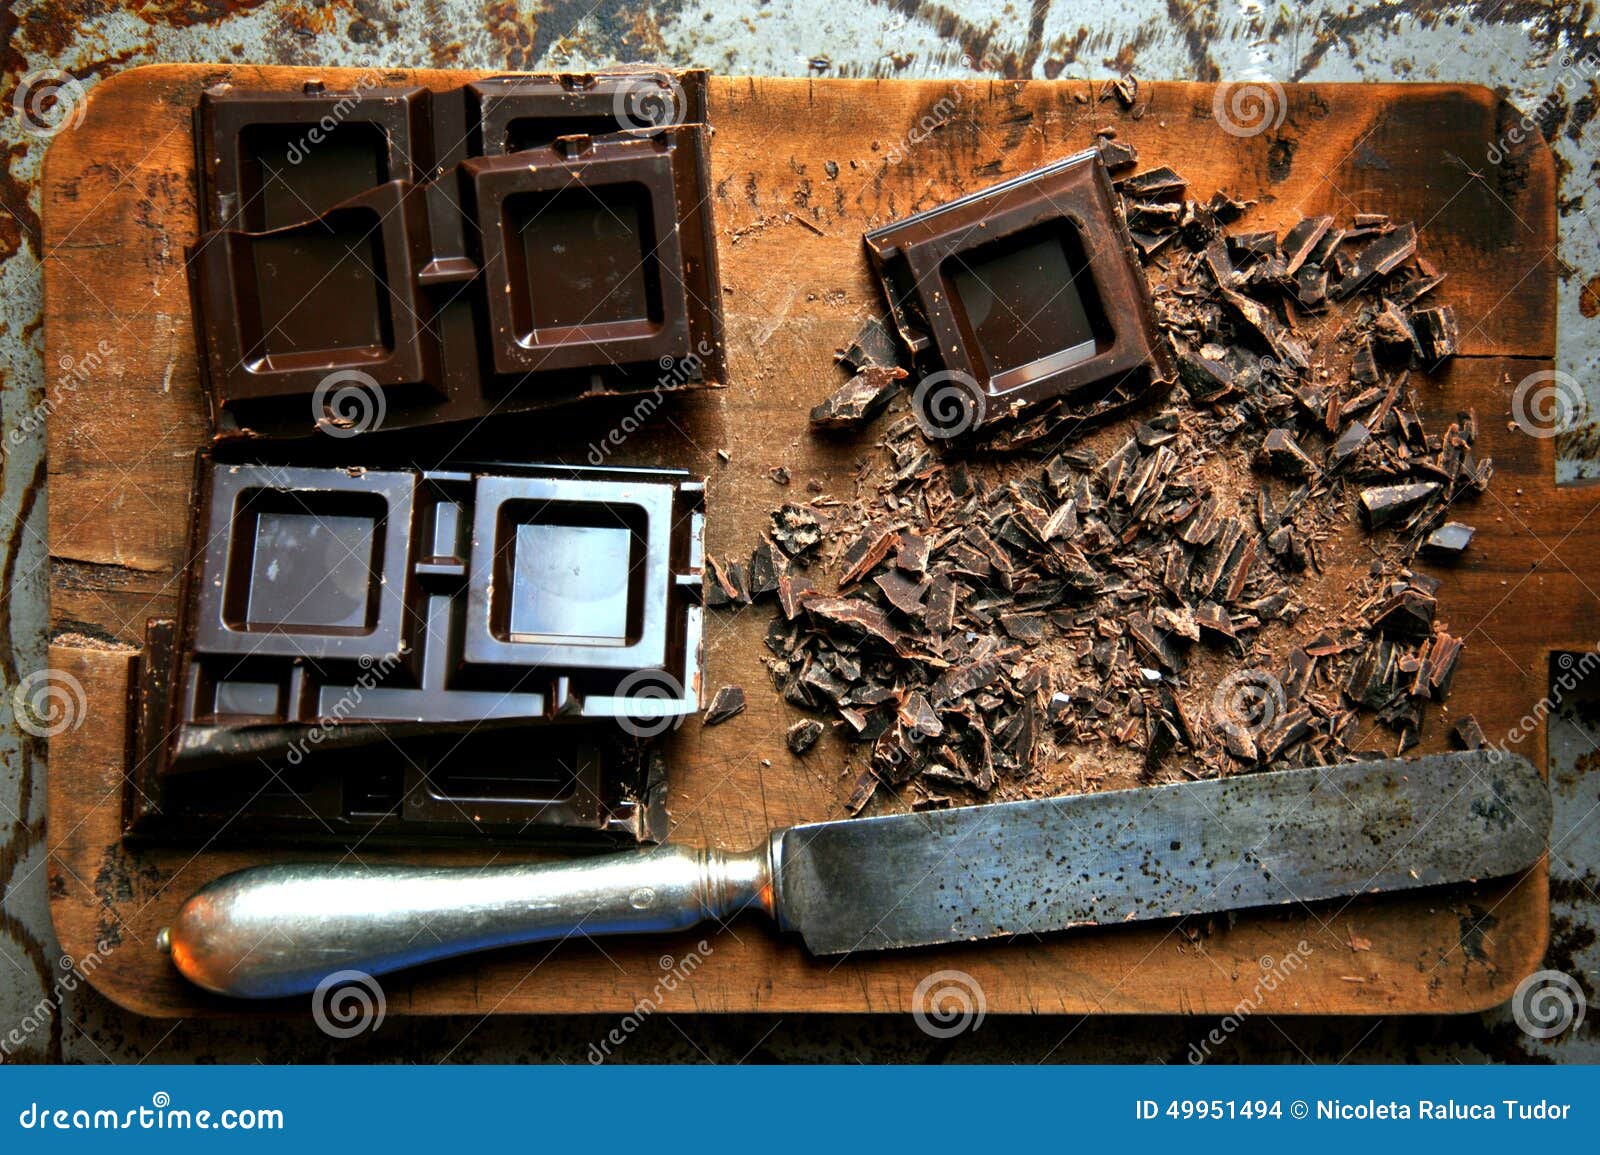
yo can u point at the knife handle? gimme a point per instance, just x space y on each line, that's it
271 931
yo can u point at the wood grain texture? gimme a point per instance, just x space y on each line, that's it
800 171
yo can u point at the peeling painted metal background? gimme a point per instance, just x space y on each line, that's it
1533 52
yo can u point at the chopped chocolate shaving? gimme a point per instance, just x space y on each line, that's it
1281 454
853 613
866 553
1380 258
791 594
1436 334
994 607
797 529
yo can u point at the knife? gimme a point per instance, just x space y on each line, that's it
902 880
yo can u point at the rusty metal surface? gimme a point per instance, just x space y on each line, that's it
1545 56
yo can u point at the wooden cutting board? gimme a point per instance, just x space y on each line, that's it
801 169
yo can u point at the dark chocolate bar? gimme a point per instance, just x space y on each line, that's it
431 257
1024 292
424 600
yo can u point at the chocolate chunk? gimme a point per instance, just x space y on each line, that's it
1351 441
1154 642
1440 667
791 594
861 793
1449 540
725 703
874 345
1281 454
902 593
1116 154
962 680
1024 627
942 597
1467 734
767 565
853 613
912 554
1436 333
1154 183
802 736
866 553
1386 504
859 399
1381 257
1408 612
797 529
918 716
1300 241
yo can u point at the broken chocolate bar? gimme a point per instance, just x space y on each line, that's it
406 600
379 285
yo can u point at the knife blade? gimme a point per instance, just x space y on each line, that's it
902 880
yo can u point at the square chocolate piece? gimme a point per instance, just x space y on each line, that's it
323 304
1021 293
592 254
295 565
269 159
569 573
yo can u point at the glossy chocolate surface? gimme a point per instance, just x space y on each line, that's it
382 258
1027 291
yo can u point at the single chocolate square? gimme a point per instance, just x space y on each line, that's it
570 573
298 562
269 159
593 255
308 308
1023 292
